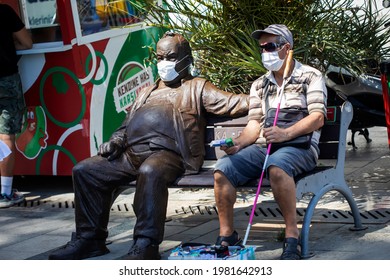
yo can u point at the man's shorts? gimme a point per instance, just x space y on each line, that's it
247 164
12 104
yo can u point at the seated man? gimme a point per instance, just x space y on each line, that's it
161 139
305 88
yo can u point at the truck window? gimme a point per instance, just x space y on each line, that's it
40 17
101 15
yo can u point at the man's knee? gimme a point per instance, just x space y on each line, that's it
219 178
279 178
224 191
152 169
78 169
164 166
276 173
222 183
84 167
147 169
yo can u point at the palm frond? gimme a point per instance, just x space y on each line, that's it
326 32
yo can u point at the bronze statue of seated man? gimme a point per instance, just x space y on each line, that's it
161 139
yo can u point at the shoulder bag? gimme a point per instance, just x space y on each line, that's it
286 118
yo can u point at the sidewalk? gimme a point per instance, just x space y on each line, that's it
45 222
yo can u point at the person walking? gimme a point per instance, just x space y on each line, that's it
13 36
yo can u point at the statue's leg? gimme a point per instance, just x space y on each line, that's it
95 181
156 173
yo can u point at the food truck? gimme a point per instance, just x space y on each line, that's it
89 60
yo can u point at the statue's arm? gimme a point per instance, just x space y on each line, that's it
220 102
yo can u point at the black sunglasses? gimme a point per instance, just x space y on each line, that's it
270 46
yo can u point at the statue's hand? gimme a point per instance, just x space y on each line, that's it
111 149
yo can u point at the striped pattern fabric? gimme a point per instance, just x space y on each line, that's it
305 89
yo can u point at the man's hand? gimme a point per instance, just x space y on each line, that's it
247 137
230 150
111 149
275 134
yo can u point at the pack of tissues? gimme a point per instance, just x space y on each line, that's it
196 251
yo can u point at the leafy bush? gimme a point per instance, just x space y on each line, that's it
326 32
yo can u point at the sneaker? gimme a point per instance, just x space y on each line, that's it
9 200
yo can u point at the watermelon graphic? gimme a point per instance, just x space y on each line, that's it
32 139
132 78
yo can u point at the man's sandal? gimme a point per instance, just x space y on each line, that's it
290 249
232 240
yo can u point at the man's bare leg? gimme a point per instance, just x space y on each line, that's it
283 188
7 165
225 198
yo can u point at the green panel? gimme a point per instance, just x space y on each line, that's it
136 49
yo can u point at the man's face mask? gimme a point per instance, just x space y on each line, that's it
166 69
271 60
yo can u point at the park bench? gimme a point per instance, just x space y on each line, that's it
317 182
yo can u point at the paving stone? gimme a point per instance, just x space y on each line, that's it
32 231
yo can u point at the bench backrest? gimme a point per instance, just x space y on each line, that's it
337 119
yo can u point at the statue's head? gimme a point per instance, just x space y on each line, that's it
174 56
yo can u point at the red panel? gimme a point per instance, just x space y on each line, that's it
64 10
386 102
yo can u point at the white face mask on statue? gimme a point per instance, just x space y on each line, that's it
166 70
271 60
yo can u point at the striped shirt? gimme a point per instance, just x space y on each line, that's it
305 88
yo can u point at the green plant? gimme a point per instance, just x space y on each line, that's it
281 235
326 32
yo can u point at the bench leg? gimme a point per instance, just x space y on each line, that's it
346 192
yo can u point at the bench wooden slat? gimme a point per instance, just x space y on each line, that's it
204 178
215 121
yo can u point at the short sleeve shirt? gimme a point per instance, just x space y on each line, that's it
304 89
9 23
152 123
